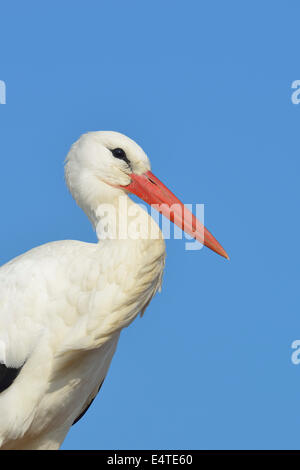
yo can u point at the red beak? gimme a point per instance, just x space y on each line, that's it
151 190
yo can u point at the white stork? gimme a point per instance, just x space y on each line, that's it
64 304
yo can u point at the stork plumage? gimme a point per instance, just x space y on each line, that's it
64 304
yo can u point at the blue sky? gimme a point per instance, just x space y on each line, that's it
205 89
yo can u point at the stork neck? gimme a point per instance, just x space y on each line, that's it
123 219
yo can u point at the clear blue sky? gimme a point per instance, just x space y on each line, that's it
205 88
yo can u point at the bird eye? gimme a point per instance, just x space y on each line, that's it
119 153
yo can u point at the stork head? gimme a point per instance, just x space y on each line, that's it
102 166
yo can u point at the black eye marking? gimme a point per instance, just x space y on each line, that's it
119 153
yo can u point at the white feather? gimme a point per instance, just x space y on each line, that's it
63 305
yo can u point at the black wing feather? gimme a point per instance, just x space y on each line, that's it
7 376
85 410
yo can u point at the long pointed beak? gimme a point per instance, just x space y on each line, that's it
151 190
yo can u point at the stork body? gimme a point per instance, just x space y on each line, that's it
66 311
64 304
